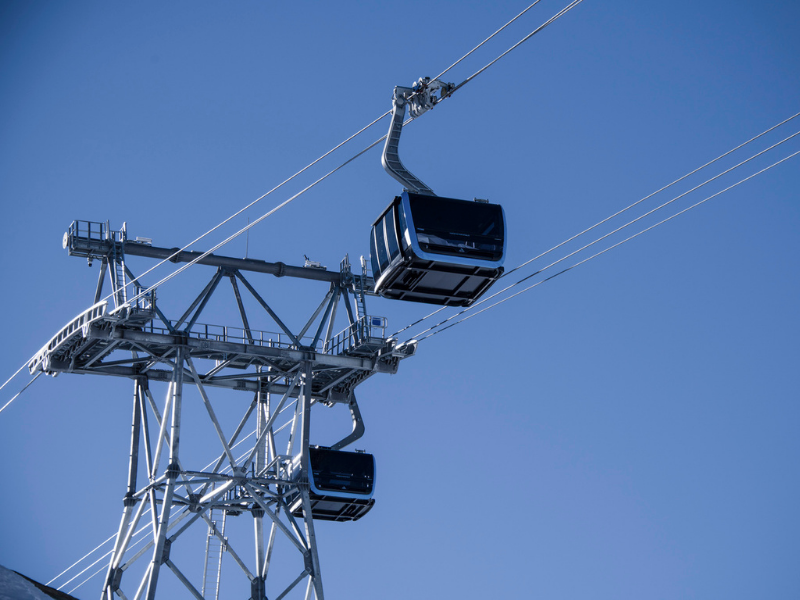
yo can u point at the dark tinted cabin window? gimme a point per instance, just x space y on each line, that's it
391 234
459 227
380 243
342 471
373 254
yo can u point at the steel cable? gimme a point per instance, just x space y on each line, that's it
281 205
278 207
669 185
552 19
605 220
253 203
538 283
439 76
228 219
137 533
27 385
177 510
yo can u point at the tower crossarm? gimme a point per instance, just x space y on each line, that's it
92 239
88 343
129 340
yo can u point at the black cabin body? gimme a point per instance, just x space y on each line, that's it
437 250
341 485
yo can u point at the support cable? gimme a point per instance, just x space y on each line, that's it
709 163
80 560
439 76
248 227
601 238
17 372
616 214
234 215
585 260
143 529
254 202
552 19
27 385
137 533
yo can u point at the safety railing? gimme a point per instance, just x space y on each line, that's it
367 329
143 303
74 327
94 230
235 335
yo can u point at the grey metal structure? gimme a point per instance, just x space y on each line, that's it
420 98
251 474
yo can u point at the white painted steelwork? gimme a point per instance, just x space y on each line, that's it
286 373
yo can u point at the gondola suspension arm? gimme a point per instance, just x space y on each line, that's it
420 98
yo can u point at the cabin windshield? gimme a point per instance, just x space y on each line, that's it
335 470
458 227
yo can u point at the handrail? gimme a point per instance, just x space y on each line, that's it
365 329
224 333
87 317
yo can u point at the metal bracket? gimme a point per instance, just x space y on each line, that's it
424 95
114 579
167 548
358 426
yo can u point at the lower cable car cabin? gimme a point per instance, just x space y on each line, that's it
437 250
341 485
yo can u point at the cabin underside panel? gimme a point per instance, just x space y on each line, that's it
436 282
329 508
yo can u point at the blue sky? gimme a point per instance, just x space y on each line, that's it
627 430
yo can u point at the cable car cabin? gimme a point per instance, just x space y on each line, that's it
340 485
437 250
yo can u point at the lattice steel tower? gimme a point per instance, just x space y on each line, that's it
270 474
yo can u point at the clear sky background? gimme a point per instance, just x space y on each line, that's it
626 430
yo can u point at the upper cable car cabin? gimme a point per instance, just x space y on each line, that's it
341 485
426 248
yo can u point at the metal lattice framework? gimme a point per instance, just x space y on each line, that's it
135 340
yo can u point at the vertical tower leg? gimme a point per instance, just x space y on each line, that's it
160 552
258 591
114 575
272 453
312 560
258 584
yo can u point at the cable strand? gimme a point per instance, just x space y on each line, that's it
254 202
616 214
538 283
440 75
629 223
27 385
551 20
